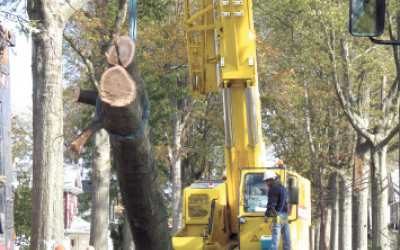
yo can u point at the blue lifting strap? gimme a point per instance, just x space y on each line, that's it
145 117
132 19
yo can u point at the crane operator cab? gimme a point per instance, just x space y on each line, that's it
206 221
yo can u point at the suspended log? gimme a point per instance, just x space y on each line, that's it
86 96
117 87
122 53
123 105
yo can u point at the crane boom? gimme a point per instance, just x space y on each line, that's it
229 214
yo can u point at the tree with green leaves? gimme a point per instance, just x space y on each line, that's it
311 51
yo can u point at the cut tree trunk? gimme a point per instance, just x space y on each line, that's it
134 155
86 96
100 190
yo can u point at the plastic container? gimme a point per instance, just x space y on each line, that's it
266 242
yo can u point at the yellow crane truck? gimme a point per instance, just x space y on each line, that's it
229 214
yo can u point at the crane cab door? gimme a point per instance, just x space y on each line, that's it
252 206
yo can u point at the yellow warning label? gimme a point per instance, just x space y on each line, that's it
255 239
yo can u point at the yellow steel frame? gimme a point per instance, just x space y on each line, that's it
230 25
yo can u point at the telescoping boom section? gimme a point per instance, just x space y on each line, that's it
224 214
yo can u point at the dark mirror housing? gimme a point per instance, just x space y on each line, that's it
294 195
293 192
367 17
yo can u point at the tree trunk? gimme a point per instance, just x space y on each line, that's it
344 236
379 196
317 235
176 175
322 209
100 190
128 240
332 207
312 238
360 195
136 168
47 209
124 113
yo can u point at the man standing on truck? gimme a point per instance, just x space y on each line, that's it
277 210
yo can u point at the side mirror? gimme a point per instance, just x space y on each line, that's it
293 193
367 17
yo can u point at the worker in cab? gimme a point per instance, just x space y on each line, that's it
277 211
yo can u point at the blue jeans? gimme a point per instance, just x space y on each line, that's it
277 228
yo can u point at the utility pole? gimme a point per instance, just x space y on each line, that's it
7 39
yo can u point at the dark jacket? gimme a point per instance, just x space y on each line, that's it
275 198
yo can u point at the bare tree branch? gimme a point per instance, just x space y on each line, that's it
355 120
85 59
68 9
392 133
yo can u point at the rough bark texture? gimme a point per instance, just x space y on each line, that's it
137 171
134 160
47 223
344 237
100 190
47 211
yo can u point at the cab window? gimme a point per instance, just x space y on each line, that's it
255 193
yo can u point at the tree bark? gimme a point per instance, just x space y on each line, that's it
100 190
135 162
128 240
344 237
86 96
332 207
379 196
360 195
317 234
322 209
47 209
179 116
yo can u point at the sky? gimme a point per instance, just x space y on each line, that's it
20 74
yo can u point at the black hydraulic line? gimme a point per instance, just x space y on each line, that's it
210 220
